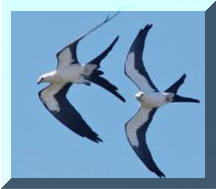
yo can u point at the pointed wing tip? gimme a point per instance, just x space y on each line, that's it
117 37
97 140
160 174
123 100
119 96
184 76
115 40
147 27
197 101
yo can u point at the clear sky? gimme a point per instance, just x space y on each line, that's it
43 147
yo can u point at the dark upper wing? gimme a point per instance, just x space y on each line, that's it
68 54
54 99
134 67
104 83
136 129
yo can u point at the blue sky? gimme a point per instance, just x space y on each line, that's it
43 147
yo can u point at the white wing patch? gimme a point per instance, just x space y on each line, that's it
133 73
65 58
47 95
135 123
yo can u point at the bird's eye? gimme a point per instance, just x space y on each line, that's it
42 79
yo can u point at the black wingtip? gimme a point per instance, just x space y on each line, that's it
184 76
98 140
196 101
95 139
160 174
182 79
148 27
140 39
175 86
104 83
119 96
115 40
122 99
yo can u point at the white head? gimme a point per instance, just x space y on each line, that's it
140 96
45 78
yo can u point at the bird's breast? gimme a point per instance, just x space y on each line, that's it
153 100
70 73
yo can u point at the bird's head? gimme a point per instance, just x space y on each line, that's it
139 96
48 77
43 78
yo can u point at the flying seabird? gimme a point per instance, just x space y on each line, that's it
150 99
69 71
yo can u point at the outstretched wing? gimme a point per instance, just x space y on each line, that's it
136 129
134 66
68 54
54 99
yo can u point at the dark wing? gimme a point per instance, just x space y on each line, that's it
54 99
136 129
68 54
104 83
134 66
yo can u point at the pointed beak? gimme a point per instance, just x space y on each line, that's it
39 81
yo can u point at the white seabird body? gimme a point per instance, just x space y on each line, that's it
68 72
154 99
72 73
150 99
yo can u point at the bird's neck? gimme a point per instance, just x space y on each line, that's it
50 76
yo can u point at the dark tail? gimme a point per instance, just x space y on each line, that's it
102 82
174 89
178 98
99 58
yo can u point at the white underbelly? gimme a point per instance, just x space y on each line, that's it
154 100
71 73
